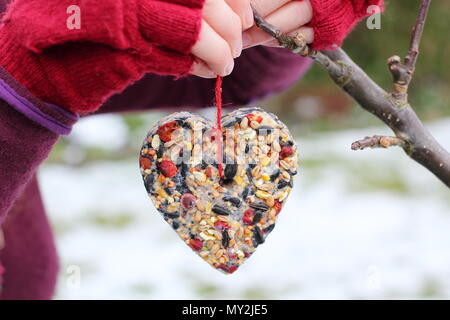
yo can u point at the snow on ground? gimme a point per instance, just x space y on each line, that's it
369 224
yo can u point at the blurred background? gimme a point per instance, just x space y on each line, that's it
368 224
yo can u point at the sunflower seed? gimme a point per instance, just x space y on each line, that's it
221 210
259 206
225 239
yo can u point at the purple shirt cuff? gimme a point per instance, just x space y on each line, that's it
49 116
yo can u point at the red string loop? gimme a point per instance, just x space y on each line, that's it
218 92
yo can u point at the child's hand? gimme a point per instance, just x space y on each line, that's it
287 15
221 36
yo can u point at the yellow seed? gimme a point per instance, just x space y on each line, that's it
265 161
270 201
162 193
262 194
238 179
265 177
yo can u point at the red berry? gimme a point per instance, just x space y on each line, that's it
221 225
209 172
145 163
286 152
252 117
227 268
166 130
277 206
196 244
248 216
167 168
188 200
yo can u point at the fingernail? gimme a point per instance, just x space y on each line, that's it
238 50
248 19
229 68
246 40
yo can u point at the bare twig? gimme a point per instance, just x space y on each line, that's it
402 73
393 109
411 58
377 142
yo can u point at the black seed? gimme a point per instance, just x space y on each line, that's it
147 146
184 169
292 173
159 152
286 144
182 188
225 181
269 228
275 175
175 225
221 210
171 215
148 182
291 183
168 191
257 217
282 184
186 125
252 165
245 193
249 174
234 201
230 171
225 238
204 165
163 211
264 130
259 206
247 148
257 236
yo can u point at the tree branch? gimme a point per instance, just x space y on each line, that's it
377 142
393 109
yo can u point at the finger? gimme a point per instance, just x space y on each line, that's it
243 9
200 69
306 32
225 22
214 51
288 18
264 7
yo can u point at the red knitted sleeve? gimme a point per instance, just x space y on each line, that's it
43 24
334 19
